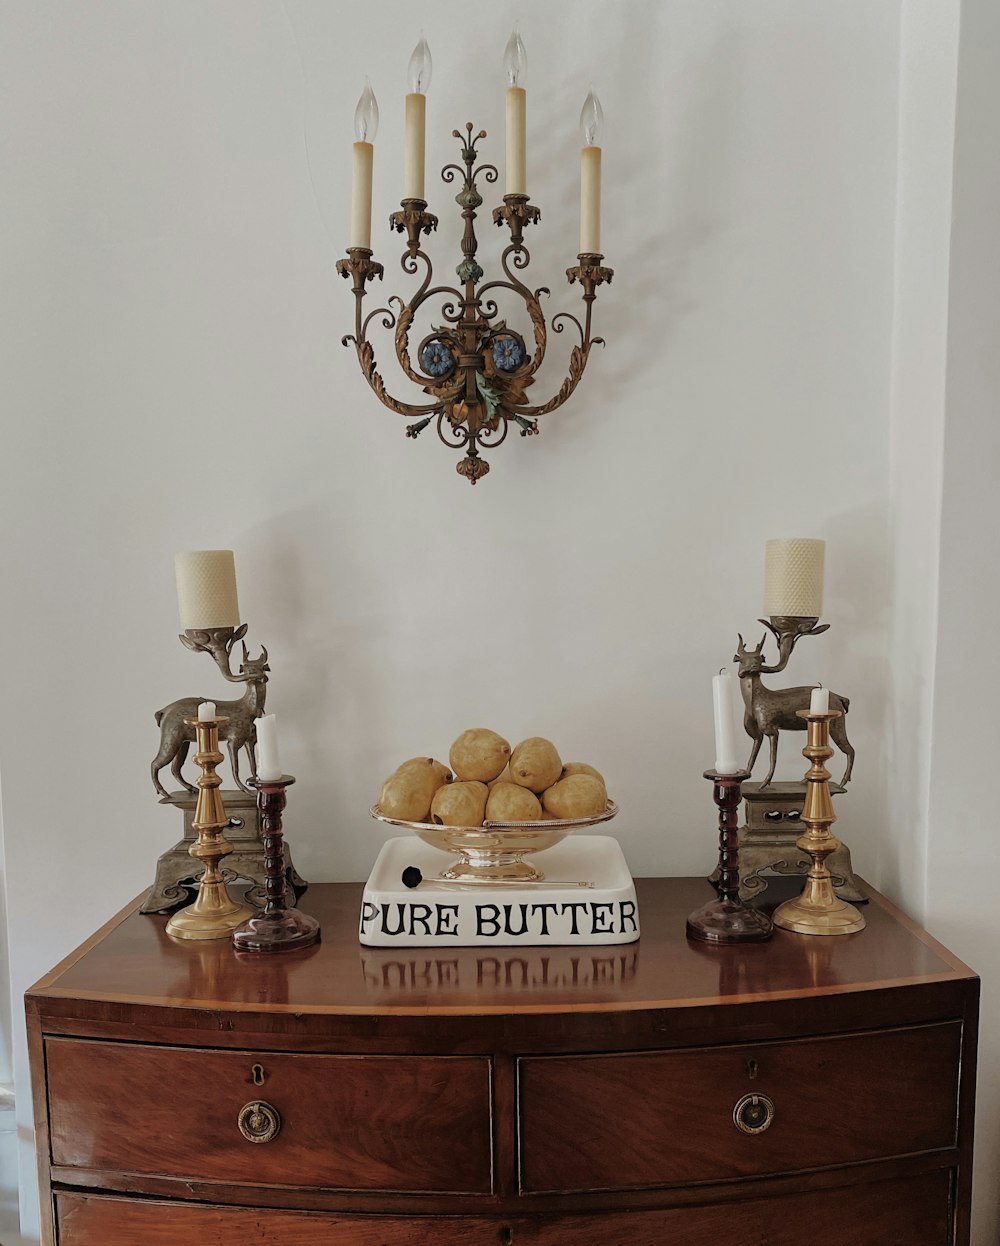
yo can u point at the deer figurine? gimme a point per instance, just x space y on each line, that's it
770 710
240 732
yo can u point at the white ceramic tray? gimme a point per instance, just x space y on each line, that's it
587 897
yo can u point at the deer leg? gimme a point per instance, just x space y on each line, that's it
155 767
234 761
175 766
251 758
754 751
774 759
839 733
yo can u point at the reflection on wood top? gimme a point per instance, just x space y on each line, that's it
132 961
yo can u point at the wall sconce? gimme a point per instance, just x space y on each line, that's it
475 368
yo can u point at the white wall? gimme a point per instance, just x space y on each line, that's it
175 195
961 900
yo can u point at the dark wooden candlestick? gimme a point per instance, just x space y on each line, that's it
277 928
727 919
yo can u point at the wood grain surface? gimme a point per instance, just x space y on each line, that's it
910 1212
512 1095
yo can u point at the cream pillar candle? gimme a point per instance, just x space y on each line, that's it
206 589
365 127
819 701
591 123
724 702
206 712
515 66
793 577
268 761
416 121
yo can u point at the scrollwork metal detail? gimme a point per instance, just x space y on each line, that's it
475 368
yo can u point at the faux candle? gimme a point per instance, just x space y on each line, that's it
206 589
206 712
515 67
819 701
793 577
365 128
723 697
268 762
591 120
416 121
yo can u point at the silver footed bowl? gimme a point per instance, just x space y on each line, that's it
494 852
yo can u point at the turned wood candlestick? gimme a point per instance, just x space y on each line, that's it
277 928
727 919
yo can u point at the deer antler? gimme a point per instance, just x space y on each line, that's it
218 644
787 640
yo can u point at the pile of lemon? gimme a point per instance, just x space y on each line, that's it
493 783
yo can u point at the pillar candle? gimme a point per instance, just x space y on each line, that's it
206 589
723 688
268 762
819 701
206 712
793 577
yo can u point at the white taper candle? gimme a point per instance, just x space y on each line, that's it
268 761
724 701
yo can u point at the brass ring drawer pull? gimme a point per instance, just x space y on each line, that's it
259 1121
753 1114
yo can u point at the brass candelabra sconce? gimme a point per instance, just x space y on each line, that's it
475 368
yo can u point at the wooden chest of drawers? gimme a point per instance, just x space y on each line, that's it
537 1096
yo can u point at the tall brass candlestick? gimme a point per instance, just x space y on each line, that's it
214 914
818 911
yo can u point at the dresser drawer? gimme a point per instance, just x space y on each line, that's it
407 1123
88 1220
910 1212
913 1211
665 1118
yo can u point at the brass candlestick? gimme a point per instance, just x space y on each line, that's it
278 928
818 911
214 914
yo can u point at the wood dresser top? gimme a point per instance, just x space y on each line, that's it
132 961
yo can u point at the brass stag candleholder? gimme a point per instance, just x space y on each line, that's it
818 911
214 914
474 367
246 859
